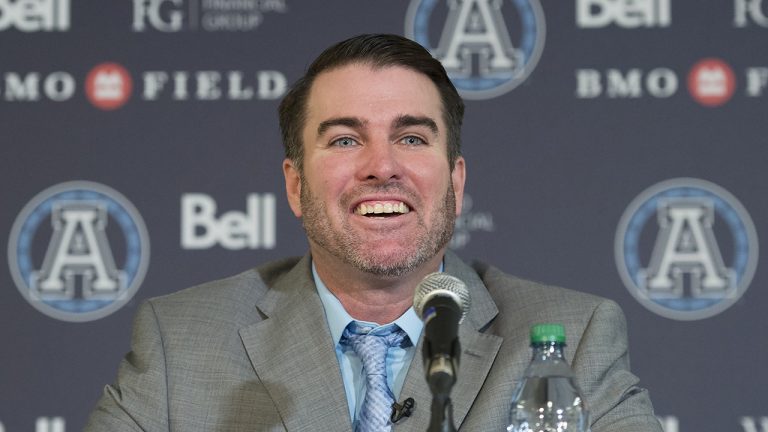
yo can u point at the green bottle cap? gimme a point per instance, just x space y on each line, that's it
548 332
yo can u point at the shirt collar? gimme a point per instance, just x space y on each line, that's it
338 318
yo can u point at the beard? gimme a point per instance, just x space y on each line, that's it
353 248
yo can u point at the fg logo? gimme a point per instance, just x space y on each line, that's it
161 15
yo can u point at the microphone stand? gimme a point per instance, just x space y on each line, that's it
442 415
441 379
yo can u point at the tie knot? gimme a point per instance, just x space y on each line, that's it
366 343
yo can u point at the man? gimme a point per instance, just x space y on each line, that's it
374 171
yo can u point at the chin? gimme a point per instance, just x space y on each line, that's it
393 265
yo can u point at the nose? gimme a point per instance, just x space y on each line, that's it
381 162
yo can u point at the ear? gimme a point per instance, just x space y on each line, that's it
458 177
292 186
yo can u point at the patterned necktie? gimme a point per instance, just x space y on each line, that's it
372 350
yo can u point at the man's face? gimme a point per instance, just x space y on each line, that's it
376 190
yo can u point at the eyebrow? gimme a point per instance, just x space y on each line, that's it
409 120
351 122
400 122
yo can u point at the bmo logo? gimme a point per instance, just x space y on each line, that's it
203 228
629 14
34 15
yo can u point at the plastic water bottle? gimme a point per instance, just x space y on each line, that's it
547 399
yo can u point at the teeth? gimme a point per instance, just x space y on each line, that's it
382 208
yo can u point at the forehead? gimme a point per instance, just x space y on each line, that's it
372 93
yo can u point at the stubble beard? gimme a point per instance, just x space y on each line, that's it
346 245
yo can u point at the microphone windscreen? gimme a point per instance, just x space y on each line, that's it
444 285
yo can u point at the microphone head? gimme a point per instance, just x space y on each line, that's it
443 285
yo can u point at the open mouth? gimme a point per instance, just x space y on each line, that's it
382 209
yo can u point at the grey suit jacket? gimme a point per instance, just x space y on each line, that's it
254 353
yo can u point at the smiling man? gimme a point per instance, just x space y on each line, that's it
375 189
329 341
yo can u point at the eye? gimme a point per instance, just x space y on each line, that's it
412 140
343 142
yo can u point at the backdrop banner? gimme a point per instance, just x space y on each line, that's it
616 147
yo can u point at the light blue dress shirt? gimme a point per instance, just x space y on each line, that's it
398 358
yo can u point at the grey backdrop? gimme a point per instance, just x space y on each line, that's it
550 173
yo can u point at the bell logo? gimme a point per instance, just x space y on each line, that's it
628 14
108 86
202 229
35 15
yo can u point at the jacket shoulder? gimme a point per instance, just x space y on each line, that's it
523 303
502 285
234 295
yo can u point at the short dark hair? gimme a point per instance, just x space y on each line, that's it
379 51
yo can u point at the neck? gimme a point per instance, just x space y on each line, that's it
369 297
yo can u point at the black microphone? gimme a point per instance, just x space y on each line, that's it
402 410
441 301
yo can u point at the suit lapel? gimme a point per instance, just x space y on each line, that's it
478 351
293 355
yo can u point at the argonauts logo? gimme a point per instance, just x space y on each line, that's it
488 47
78 251
686 249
